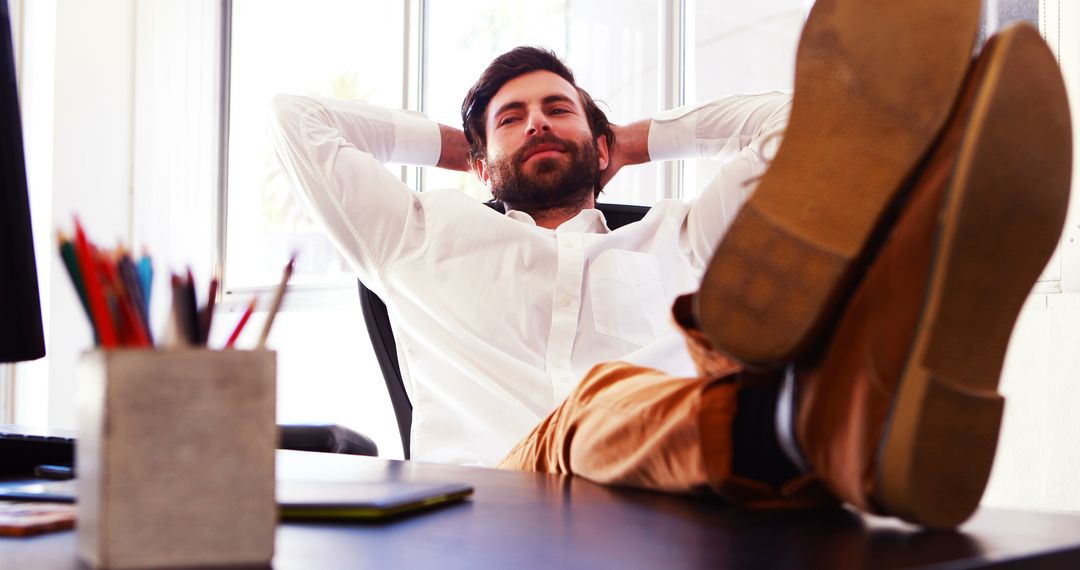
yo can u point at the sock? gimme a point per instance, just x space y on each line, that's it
785 421
757 452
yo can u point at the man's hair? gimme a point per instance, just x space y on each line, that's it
514 63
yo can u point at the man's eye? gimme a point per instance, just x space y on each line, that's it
507 121
559 111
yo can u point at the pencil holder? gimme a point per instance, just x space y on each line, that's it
175 458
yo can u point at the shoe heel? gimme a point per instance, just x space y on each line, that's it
937 465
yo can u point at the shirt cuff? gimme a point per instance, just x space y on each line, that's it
673 134
416 139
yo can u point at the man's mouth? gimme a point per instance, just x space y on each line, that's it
543 150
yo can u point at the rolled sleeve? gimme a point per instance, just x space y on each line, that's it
416 139
719 128
673 134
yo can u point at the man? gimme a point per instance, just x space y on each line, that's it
498 316
884 185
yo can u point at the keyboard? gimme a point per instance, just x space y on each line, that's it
22 448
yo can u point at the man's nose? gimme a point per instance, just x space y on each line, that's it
538 123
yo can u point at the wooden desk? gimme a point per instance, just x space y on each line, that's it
524 520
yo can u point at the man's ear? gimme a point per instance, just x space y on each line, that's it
481 171
603 152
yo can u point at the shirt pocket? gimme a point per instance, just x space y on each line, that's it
627 293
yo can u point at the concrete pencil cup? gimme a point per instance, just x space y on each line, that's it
175 458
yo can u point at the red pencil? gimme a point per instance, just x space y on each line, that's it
240 325
102 320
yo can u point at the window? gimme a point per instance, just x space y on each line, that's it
739 47
328 48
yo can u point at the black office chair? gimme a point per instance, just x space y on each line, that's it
326 438
382 334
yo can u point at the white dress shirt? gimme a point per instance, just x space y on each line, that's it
497 319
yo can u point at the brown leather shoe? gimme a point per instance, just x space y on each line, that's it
874 83
900 412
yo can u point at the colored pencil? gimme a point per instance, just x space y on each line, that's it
129 276
67 255
206 314
131 326
112 288
275 306
240 325
145 269
191 305
136 328
95 295
182 311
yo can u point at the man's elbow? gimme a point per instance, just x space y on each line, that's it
286 109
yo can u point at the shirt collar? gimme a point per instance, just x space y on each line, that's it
589 220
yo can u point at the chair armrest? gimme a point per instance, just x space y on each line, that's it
327 438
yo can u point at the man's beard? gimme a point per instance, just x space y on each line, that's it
550 182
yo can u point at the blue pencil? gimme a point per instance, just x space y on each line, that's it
145 269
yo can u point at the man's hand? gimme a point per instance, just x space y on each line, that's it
455 149
631 147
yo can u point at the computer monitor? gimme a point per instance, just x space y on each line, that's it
21 335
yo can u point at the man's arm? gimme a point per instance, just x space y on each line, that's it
717 129
742 131
334 151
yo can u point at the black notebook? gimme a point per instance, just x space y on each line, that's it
356 500
301 499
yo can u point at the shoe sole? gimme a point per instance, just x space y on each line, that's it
1004 211
865 111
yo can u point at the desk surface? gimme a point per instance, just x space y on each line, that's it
525 520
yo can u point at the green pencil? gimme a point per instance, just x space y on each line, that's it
67 254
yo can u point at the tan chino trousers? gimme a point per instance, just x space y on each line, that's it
632 426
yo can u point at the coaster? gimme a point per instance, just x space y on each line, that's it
25 519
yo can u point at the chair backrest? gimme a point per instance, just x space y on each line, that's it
382 334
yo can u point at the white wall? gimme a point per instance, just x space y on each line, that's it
78 99
1038 461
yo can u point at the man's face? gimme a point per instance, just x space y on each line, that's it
540 150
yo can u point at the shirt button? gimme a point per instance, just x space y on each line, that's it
557 365
566 301
569 244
